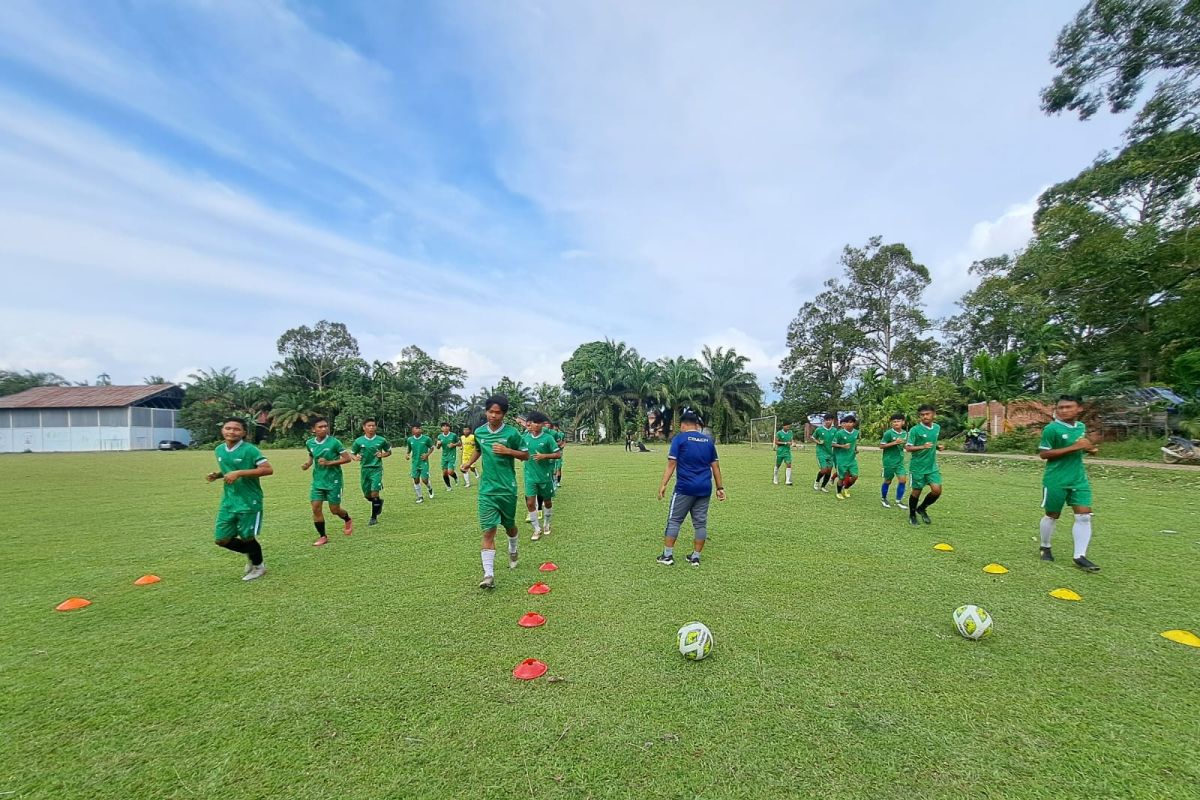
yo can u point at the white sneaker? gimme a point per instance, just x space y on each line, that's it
449 488
420 499
546 531
816 486
825 489
512 560
255 573
789 483
775 481
536 535
249 567
886 504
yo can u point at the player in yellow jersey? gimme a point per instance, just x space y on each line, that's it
467 442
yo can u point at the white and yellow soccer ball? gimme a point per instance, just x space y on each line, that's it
695 641
973 622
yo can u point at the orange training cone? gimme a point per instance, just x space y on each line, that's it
72 603
146 580
529 669
539 588
549 566
531 620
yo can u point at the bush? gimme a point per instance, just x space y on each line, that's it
1021 440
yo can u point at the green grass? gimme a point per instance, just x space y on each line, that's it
374 668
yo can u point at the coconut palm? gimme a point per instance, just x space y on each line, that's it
730 390
640 380
678 384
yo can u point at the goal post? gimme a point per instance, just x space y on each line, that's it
762 431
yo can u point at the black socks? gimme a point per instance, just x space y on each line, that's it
928 501
254 551
320 526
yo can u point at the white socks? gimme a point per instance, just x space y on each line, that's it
1047 530
467 478
512 545
546 512
788 474
489 562
1082 531
537 526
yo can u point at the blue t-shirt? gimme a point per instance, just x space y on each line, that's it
694 454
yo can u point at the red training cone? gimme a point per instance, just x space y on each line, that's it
146 580
72 603
549 566
539 588
529 669
531 620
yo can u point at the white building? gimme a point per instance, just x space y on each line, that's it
80 418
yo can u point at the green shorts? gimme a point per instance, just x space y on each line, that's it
237 525
420 469
898 471
781 458
542 489
919 480
332 496
497 511
848 468
824 460
1055 497
448 465
371 480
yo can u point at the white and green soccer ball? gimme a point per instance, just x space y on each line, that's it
973 622
695 641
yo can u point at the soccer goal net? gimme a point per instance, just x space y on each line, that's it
762 431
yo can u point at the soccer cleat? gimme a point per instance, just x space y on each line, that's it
825 489
512 560
249 567
912 520
816 486
1086 565
694 559
925 518
348 528
775 481
1046 554
373 521
846 492
886 504
488 582
420 500
789 483
546 531
840 496
320 541
449 488
536 535
666 559
255 573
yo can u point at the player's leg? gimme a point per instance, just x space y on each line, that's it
425 478
1052 504
787 470
699 512
917 482
318 515
547 506
935 492
336 509
249 525
680 505
888 477
1081 503
487 554
531 517
902 480
416 479
849 478
445 477
775 474
225 534
508 520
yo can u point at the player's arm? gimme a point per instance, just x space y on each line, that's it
717 481
548 456
385 453
262 470
308 463
666 478
1082 443
504 450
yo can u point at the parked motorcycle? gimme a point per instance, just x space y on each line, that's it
1181 451
976 441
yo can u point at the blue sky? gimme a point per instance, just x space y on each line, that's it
498 182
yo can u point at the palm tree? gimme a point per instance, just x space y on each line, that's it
640 379
290 410
732 392
154 380
678 383
1000 378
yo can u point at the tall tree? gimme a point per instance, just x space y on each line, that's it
731 391
314 355
823 345
680 383
12 381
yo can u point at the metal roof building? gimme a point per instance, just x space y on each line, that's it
82 418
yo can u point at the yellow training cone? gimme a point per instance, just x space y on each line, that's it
1183 637
995 569
1065 594
945 548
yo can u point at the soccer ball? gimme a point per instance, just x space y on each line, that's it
973 622
695 641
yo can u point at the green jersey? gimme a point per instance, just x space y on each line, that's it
329 449
419 446
844 436
1066 472
924 462
244 494
893 456
785 443
499 475
538 471
824 437
369 447
447 442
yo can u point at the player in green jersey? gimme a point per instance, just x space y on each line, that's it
823 436
539 473
370 450
1065 482
923 444
240 465
892 447
783 454
561 438
499 444
845 455
419 447
447 442
328 454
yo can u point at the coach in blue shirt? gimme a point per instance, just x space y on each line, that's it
693 460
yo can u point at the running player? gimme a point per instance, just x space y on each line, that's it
783 453
370 450
845 455
328 454
448 442
561 438
419 446
823 436
240 465
923 444
1065 482
539 473
468 455
892 446
499 444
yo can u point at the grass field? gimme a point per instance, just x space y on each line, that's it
374 667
